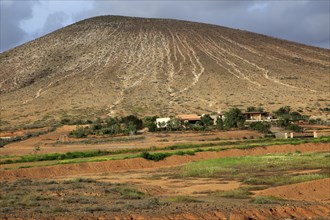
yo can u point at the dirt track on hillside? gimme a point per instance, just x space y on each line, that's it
139 163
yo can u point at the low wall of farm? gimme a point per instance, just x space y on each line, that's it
314 134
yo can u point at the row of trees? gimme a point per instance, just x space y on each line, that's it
286 117
109 126
233 118
130 124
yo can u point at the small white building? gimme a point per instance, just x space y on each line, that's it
162 122
215 118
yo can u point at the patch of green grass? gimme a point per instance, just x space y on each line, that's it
163 140
265 170
80 180
99 159
6 156
243 167
56 156
283 180
102 140
181 153
80 200
182 199
266 200
240 193
161 156
245 144
129 193
133 153
21 167
155 156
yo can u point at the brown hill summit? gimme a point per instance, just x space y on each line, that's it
123 65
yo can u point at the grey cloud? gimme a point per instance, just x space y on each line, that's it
301 21
12 14
53 22
307 22
187 10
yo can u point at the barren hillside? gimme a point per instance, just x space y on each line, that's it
122 65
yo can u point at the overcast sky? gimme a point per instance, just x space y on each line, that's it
304 21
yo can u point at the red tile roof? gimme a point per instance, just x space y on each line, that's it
189 117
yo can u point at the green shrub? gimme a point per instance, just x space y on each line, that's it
284 113
240 193
182 199
85 180
131 128
254 109
155 156
57 156
270 135
129 193
206 120
262 127
80 132
65 121
234 118
150 123
173 125
293 127
198 126
266 200
134 120
181 153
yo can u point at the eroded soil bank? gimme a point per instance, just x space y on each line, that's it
317 190
194 212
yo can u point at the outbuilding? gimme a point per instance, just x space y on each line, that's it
162 122
256 116
190 118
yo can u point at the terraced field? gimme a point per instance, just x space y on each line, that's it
216 177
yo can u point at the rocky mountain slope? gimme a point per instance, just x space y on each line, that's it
121 65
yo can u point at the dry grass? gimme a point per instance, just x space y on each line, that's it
87 195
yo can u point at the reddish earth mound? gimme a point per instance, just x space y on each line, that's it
281 212
139 163
243 213
317 190
277 212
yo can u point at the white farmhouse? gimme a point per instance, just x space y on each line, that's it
162 122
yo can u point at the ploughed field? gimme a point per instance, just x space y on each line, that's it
178 175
